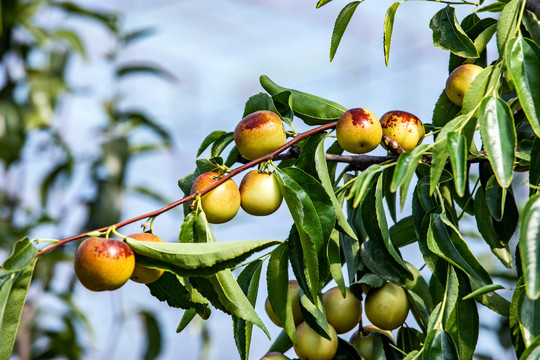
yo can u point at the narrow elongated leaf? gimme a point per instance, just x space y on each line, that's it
523 61
74 41
529 240
186 320
334 260
314 110
324 177
340 26
24 253
448 34
439 346
363 183
403 232
144 69
196 259
534 171
419 297
457 148
249 283
499 137
314 316
209 140
495 198
444 111
154 341
388 28
483 290
479 88
13 290
532 351
220 144
507 24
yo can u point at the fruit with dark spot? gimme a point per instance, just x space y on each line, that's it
387 307
459 81
260 194
343 313
103 264
221 203
258 134
403 127
364 341
358 131
274 355
294 290
312 346
142 274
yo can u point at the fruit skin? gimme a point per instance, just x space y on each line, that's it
220 204
364 341
274 355
142 274
103 264
387 307
259 193
403 127
343 313
459 81
258 134
358 131
312 346
294 290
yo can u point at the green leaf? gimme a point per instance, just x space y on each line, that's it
529 238
281 344
73 39
409 339
363 183
220 144
334 260
322 3
260 101
13 290
448 34
313 110
457 148
532 351
23 253
507 24
495 198
532 25
483 290
324 177
340 26
186 319
479 88
403 232
388 28
196 259
534 168
213 136
136 35
314 316
499 137
249 283
444 111
144 69
419 297
153 339
523 62
516 334
439 346
277 281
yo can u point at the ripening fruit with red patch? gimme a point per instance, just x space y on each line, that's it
459 80
343 313
274 355
364 341
387 307
259 193
403 127
142 274
221 203
103 264
312 346
258 134
358 131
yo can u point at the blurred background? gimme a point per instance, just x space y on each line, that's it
103 105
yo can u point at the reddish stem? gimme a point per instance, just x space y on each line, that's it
233 172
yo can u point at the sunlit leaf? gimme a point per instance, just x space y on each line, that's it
529 238
448 34
388 28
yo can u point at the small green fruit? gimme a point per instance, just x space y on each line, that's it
343 313
312 346
387 307
260 194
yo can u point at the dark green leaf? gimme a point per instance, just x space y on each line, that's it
136 35
439 346
220 144
523 62
532 25
209 140
260 101
495 198
314 316
334 261
403 232
483 290
507 24
499 137
444 111
516 334
448 34
346 351
388 28
532 351
341 25
13 290
23 253
312 109
479 88
153 339
534 169
529 238
419 297
457 148
186 319
144 69
409 339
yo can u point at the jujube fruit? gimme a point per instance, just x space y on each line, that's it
363 341
258 134
103 264
221 203
358 131
294 290
343 313
459 81
387 307
274 355
403 127
142 274
312 346
259 193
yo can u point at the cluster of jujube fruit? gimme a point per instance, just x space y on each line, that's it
386 308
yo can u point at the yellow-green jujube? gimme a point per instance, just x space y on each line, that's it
142 274
387 307
358 131
343 313
363 341
103 264
294 290
312 346
221 203
459 80
259 133
259 193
